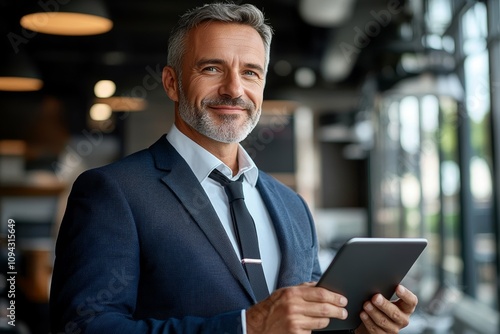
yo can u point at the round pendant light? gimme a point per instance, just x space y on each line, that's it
18 74
76 18
20 84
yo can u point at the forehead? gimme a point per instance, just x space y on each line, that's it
219 39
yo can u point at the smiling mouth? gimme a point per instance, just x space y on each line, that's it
228 106
225 109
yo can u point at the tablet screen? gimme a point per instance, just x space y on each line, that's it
364 267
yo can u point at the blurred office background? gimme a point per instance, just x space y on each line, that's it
383 114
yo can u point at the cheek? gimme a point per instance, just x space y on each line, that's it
255 92
198 89
257 100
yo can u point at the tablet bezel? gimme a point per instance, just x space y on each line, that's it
382 263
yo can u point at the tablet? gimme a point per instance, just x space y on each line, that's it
364 267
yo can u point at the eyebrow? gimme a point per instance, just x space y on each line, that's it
218 61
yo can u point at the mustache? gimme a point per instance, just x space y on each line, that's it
222 101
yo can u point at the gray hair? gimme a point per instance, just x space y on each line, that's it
222 12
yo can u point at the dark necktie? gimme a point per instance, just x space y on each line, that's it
246 234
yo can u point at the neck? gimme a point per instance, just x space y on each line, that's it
228 156
225 152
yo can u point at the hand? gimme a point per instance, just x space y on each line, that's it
298 309
383 316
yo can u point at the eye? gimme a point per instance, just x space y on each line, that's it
210 69
250 73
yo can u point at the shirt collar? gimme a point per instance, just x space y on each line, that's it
203 162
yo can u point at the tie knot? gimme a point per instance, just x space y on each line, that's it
234 189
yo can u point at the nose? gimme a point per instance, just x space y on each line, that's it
231 85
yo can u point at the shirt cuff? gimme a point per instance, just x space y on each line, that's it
244 321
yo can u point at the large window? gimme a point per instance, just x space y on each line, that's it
417 179
474 31
433 160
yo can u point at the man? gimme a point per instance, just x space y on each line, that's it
147 244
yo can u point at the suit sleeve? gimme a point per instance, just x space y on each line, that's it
97 269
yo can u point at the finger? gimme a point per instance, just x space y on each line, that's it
384 311
311 301
309 293
407 300
325 310
369 324
303 307
325 304
323 295
380 321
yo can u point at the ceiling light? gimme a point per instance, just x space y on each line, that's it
326 13
100 112
305 77
18 84
76 18
18 74
104 88
282 68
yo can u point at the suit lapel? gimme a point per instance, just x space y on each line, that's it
281 222
180 179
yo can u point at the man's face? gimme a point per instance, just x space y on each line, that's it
222 84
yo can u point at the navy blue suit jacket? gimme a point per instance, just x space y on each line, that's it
141 250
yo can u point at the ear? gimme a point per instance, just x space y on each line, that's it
170 83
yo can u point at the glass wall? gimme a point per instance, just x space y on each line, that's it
474 31
417 179
433 163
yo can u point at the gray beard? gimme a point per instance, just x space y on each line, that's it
227 131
